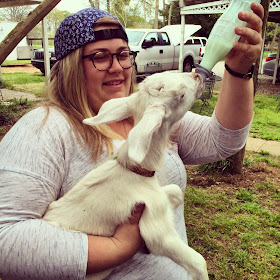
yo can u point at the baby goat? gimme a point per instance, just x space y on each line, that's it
107 195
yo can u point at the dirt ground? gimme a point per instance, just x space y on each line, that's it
28 68
251 176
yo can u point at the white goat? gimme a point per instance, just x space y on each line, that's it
107 195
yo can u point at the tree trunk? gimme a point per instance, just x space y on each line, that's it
24 27
156 14
163 8
170 12
238 158
274 37
265 4
108 6
145 14
91 3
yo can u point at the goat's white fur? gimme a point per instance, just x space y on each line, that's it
106 196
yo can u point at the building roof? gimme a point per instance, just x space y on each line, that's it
274 8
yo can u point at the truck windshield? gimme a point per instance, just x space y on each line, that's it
134 37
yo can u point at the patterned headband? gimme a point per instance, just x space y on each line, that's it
76 30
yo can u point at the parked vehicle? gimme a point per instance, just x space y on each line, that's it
269 66
157 51
197 40
37 59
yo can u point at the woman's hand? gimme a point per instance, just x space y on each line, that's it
246 50
127 236
234 109
108 252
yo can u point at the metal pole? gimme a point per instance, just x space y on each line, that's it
182 43
276 64
181 4
46 48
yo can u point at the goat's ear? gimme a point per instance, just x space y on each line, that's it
154 89
113 110
139 138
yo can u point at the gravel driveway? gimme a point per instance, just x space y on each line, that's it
7 94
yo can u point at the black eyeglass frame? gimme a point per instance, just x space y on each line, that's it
91 57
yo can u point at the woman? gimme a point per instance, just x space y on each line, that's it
49 150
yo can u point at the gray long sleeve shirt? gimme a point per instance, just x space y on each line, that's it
39 164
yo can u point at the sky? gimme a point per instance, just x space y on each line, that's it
72 6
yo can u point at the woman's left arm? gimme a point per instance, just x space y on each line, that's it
234 109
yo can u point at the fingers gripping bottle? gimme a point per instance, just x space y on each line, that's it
222 36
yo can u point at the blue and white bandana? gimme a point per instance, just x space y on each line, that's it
77 30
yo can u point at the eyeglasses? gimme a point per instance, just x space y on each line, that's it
103 61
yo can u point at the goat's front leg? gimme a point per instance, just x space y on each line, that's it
157 229
174 194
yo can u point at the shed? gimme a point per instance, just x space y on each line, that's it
22 51
22 28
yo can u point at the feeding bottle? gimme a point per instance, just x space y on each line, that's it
222 36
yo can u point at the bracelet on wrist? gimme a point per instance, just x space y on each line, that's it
247 76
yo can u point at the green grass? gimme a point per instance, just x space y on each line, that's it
11 111
266 122
33 83
236 228
16 62
14 109
265 54
240 236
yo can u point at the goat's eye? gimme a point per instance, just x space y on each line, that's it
182 96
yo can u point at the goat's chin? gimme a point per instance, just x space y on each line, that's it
199 91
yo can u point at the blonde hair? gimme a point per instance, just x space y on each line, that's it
66 90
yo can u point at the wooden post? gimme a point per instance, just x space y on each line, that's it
24 27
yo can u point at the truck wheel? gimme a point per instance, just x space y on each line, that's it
278 75
187 66
42 70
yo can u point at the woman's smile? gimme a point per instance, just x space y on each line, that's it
114 83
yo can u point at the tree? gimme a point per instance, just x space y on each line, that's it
24 27
15 13
91 3
156 14
272 35
128 12
148 7
145 14
108 5
275 34
54 18
172 13
163 7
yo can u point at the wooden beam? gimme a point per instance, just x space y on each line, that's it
24 27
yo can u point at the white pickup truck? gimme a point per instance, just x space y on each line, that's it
159 49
